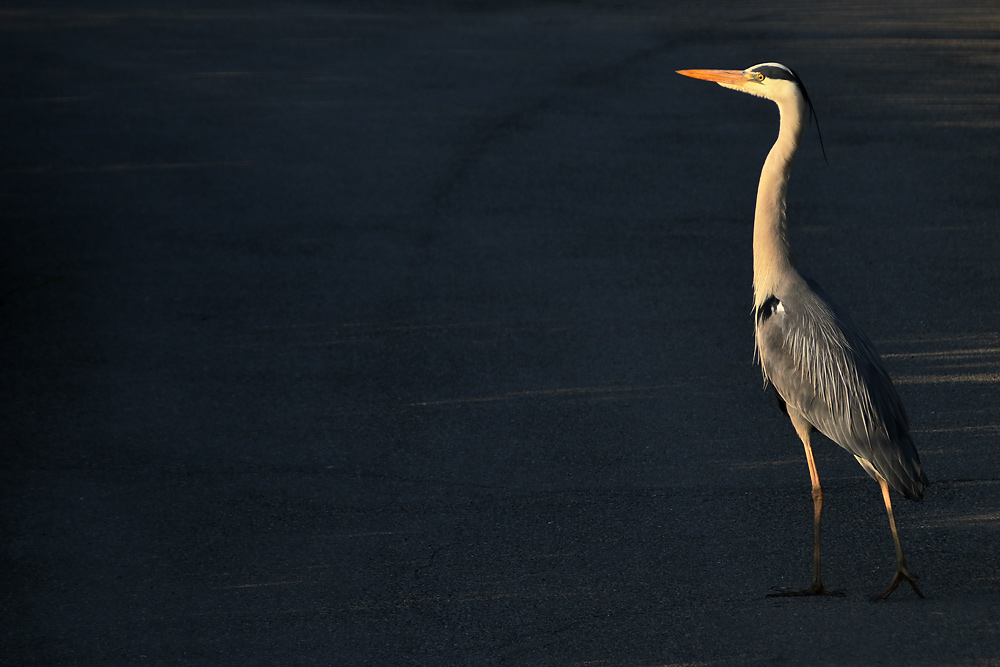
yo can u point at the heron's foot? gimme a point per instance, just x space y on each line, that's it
902 574
816 588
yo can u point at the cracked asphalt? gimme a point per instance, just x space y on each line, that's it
387 333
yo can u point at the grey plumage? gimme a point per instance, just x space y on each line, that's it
825 367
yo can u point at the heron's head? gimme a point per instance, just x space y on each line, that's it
772 81
769 80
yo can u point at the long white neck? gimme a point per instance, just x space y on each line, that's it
770 247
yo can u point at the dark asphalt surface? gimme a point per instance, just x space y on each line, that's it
387 333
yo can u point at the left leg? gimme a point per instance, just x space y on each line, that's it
902 574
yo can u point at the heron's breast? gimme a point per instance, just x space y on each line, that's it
781 365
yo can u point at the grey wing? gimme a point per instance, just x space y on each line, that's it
825 368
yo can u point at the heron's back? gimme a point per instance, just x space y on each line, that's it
825 369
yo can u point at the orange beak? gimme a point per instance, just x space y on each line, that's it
724 77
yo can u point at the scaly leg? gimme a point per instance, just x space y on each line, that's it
902 574
804 429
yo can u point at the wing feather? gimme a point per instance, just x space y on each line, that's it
824 367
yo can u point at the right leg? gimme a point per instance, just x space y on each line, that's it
804 429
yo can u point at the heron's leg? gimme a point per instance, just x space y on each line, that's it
902 574
804 429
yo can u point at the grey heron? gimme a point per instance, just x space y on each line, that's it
824 370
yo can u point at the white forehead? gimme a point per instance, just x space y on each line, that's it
774 71
778 65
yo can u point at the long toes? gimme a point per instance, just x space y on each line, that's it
902 574
913 582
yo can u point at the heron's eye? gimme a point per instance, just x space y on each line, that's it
760 77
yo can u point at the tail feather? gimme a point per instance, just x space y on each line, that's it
897 461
